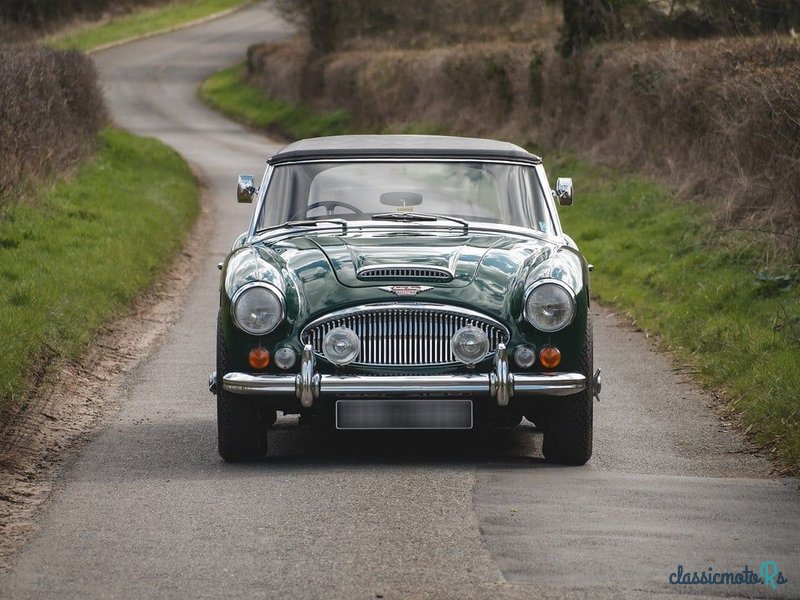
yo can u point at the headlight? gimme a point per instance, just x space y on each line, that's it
257 308
341 346
470 345
550 305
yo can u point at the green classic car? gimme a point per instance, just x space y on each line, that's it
405 282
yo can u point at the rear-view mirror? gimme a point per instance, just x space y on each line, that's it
401 198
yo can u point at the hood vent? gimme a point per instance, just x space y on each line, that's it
405 273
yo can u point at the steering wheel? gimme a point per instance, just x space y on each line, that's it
330 205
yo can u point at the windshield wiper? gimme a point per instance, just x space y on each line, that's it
305 223
407 217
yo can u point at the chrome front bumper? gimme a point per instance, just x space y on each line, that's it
309 385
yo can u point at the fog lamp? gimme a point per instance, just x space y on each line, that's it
470 345
341 346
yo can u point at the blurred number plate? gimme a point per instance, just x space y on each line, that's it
404 414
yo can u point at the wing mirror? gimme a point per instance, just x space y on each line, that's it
245 189
563 190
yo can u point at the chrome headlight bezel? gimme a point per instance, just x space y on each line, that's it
269 288
571 302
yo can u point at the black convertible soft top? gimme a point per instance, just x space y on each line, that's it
400 146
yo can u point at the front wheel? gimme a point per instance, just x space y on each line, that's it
241 422
568 427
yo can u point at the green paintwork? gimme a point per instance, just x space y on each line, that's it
316 270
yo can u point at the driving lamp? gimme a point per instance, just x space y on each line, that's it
470 345
341 346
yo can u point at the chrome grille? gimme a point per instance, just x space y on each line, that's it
404 272
407 334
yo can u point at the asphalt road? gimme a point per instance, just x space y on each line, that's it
149 510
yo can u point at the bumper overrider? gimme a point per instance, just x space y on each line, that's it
308 385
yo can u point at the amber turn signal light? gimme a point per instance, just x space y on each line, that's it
258 358
550 357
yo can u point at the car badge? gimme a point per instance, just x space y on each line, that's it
406 290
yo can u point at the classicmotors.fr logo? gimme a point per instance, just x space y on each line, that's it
768 574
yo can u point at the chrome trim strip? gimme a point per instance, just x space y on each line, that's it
259 204
524 385
371 308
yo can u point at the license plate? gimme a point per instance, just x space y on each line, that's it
404 414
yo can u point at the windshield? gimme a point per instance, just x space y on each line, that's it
473 191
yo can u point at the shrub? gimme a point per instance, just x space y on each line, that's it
337 24
51 109
719 116
40 14
590 21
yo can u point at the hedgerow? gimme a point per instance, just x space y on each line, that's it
51 109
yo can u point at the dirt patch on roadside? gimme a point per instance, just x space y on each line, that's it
69 403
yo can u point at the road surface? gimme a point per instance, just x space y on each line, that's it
150 511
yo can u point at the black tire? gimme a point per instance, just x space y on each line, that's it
536 421
241 422
507 419
568 427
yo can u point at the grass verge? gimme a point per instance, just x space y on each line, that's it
77 255
701 290
228 92
138 23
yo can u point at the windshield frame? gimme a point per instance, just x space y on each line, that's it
538 171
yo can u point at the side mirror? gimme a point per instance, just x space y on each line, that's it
563 190
245 189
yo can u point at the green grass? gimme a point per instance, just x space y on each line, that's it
227 91
139 22
77 255
665 264
699 288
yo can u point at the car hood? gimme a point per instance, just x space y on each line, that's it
489 269
459 255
